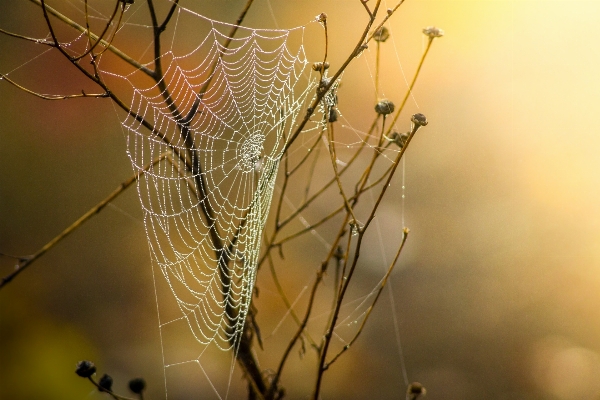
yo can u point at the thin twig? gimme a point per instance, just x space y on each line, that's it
163 26
286 178
385 19
109 392
357 50
114 33
411 86
101 36
286 300
27 261
52 97
316 195
364 3
318 279
324 22
335 171
371 307
45 10
347 278
377 55
30 39
386 185
82 29
95 78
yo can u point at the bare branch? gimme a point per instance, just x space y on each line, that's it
357 50
390 12
108 24
109 392
335 171
27 261
52 97
345 282
411 86
370 309
364 3
30 39
163 26
103 42
318 279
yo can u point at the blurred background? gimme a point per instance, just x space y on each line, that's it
498 292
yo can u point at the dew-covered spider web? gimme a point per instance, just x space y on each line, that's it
221 117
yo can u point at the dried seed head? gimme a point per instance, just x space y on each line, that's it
433 32
415 390
381 35
105 383
333 115
390 11
137 385
384 107
85 369
321 17
419 119
320 66
399 138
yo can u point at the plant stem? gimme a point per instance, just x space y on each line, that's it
25 262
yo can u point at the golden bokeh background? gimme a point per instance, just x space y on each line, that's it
498 293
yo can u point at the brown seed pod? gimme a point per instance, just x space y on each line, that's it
384 107
381 35
419 119
318 66
85 369
433 32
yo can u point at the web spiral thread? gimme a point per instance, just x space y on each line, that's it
223 115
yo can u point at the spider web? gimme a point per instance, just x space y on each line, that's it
222 117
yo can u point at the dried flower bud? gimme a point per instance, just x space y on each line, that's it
399 138
419 119
320 66
85 369
384 107
333 115
381 35
390 11
433 32
321 17
137 385
105 383
414 390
